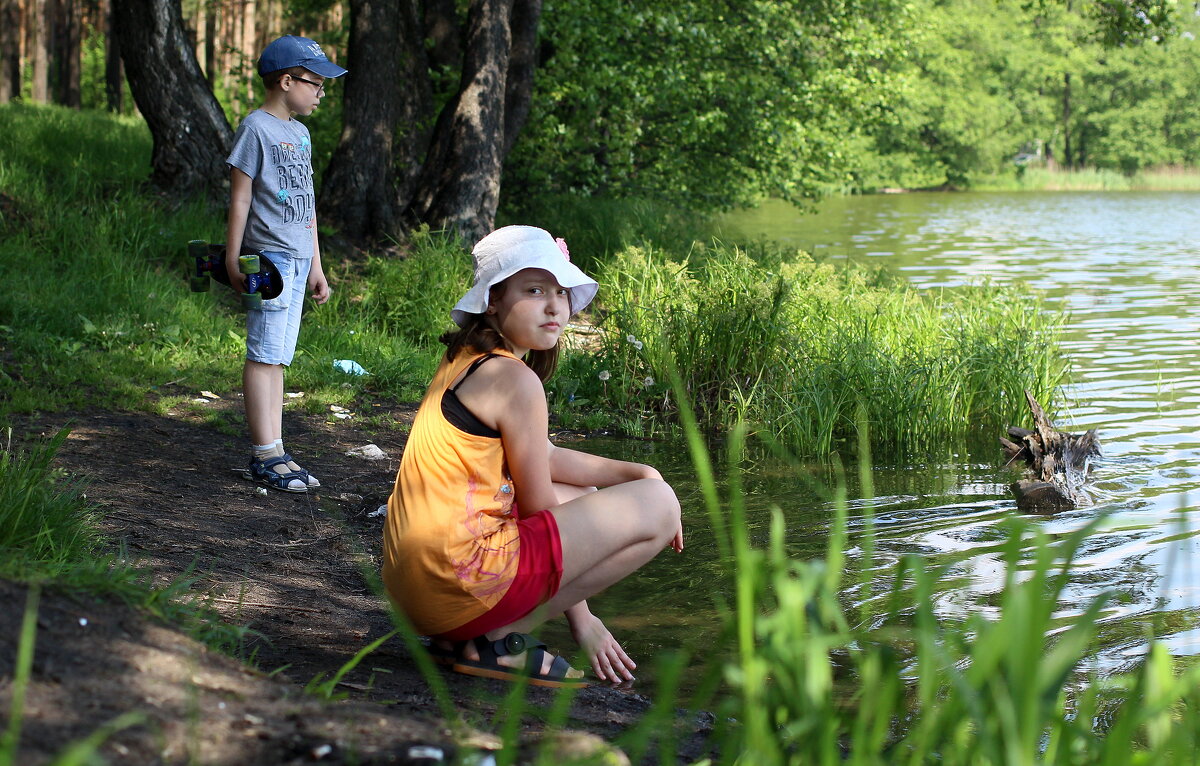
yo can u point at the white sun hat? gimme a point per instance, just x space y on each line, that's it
510 249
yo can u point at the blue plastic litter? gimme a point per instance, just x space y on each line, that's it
350 367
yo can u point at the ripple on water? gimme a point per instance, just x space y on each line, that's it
1126 268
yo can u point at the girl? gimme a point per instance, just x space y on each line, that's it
491 529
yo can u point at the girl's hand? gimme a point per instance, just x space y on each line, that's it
609 661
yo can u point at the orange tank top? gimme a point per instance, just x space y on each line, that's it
450 543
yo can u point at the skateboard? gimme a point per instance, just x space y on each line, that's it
263 281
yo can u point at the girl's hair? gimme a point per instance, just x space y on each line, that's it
479 335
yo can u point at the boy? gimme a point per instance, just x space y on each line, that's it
271 209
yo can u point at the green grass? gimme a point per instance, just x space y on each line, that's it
105 317
798 349
814 357
1093 179
805 681
46 523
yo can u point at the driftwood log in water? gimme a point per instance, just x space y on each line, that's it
1058 463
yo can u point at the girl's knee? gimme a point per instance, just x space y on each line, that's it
664 504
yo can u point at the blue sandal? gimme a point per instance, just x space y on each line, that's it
309 480
266 472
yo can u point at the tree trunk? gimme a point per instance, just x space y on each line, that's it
387 97
70 69
441 28
39 17
518 88
191 136
1068 157
1058 463
114 76
210 44
459 185
10 50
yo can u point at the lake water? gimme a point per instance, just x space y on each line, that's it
1125 267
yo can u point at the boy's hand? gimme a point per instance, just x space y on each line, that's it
237 280
318 286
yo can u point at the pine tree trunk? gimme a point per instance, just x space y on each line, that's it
459 186
10 50
210 44
40 27
114 75
191 136
387 93
71 52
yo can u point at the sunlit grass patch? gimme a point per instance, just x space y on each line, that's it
797 348
1093 179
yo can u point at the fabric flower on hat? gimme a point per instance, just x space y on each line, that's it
562 245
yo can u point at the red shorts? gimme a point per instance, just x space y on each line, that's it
539 572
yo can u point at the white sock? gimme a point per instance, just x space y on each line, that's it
312 480
264 451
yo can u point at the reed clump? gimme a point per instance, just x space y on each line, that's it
798 348
1166 178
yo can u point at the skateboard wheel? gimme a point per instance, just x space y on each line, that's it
198 248
199 284
251 301
248 264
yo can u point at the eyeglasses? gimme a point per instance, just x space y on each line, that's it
320 86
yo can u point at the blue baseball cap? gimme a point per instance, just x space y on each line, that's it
291 50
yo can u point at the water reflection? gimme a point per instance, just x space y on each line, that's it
1124 268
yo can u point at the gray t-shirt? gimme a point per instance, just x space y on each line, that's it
277 154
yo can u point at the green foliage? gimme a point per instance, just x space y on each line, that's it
411 296
799 349
105 317
706 105
46 525
985 81
811 684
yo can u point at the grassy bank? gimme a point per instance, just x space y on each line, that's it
800 350
105 317
1092 179
793 676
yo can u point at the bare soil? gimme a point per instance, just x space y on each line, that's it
295 571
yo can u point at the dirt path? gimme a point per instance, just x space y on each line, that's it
292 569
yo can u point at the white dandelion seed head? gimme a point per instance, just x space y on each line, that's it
649 381
604 375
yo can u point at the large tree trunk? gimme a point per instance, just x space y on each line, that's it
387 98
452 180
10 50
518 88
459 185
191 136
114 75
70 23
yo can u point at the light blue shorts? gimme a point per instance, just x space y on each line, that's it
271 331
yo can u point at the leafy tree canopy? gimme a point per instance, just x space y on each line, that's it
705 104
